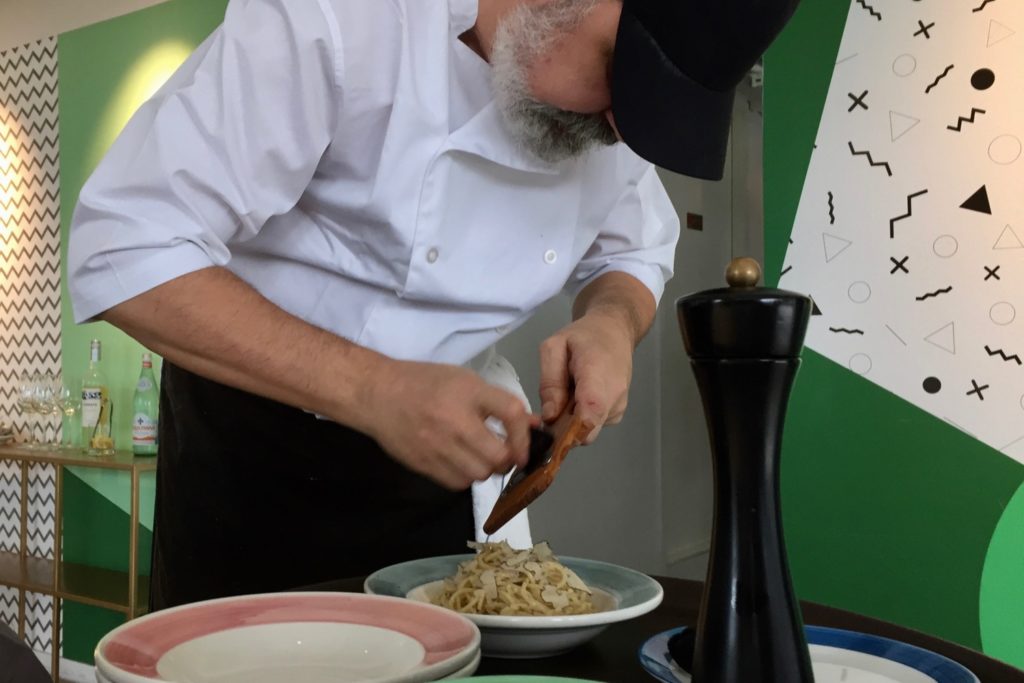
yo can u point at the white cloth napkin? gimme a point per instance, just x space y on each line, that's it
498 371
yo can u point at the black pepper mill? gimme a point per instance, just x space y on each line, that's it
744 343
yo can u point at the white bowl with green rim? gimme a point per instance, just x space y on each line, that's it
517 678
619 594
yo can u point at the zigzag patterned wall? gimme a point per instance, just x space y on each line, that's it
29 220
29 293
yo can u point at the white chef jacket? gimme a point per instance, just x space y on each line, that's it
346 159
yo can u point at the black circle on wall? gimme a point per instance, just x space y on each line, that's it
983 79
932 385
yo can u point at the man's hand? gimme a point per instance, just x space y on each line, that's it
430 417
589 363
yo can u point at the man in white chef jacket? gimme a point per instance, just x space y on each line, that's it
329 215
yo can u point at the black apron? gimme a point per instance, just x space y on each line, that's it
255 496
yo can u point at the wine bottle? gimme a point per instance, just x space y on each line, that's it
97 407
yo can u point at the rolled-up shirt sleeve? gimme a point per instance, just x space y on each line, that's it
232 138
638 236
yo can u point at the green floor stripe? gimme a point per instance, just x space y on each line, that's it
116 487
95 533
1001 602
888 511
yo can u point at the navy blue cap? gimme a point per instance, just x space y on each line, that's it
674 75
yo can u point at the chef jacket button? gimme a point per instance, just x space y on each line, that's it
432 255
550 256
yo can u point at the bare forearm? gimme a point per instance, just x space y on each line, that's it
214 324
621 297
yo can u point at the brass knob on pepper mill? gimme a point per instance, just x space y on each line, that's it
743 272
744 344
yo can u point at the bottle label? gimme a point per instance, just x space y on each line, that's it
143 430
145 384
92 399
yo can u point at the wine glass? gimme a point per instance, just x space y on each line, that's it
70 401
26 400
54 387
44 404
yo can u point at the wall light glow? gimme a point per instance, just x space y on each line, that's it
5 134
8 180
150 72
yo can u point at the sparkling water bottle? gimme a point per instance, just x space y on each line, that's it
145 410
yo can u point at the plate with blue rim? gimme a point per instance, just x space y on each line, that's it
836 655
619 594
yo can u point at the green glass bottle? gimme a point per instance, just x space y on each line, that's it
145 410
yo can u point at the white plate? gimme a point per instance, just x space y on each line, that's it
836 656
464 672
468 670
619 593
291 638
267 653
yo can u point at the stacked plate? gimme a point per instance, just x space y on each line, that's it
292 638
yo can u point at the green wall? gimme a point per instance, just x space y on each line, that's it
106 70
888 511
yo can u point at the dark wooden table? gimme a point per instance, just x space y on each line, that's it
612 655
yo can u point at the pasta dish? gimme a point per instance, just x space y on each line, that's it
504 581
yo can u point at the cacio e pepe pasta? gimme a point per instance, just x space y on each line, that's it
500 580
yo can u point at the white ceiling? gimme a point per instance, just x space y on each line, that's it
25 21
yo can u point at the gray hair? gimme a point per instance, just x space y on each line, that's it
523 36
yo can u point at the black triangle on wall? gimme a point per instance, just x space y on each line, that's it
978 202
814 307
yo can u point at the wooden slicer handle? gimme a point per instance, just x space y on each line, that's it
569 431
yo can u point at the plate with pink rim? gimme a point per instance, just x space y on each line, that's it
292 637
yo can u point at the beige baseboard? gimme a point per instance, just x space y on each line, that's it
687 551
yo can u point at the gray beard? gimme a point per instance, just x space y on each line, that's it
549 133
